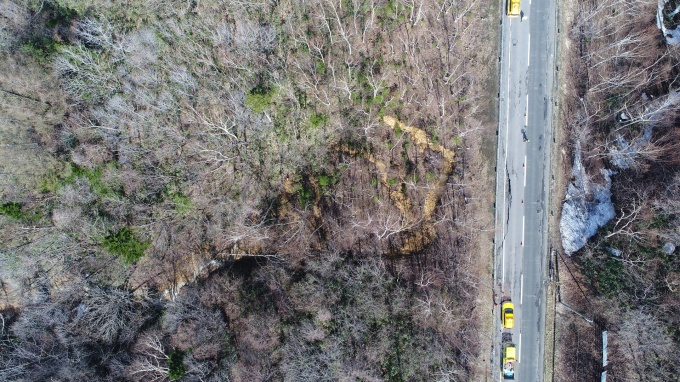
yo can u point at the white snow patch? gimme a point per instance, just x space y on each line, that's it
669 248
672 35
587 206
624 153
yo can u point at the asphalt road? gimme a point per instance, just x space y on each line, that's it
524 138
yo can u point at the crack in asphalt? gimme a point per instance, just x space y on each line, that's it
507 218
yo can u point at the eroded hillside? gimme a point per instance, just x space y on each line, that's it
316 175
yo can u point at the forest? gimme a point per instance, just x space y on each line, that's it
620 123
226 190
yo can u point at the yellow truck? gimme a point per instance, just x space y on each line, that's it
509 357
513 8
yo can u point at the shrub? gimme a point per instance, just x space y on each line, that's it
320 67
318 119
99 185
12 209
260 98
123 243
305 194
324 180
182 204
176 365
48 30
58 15
41 48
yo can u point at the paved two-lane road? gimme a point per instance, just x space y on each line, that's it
524 139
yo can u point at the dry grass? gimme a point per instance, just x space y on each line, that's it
29 110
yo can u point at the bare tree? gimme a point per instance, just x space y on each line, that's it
151 362
112 316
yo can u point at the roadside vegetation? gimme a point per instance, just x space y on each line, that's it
619 112
246 191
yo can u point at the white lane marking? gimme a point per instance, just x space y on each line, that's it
507 112
519 347
525 171
503 264
526 107
528 49
521 288
522 230
505 156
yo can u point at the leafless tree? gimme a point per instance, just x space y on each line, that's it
642 344
111 316
151 363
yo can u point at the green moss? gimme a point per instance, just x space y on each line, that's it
40 48
260 98
99 186
301 97
176 365
49 183
15 211
281 122
57 15
93 175
182 204
42 38
304 193
56 180
607 274
318 119
124 244
659 221
391 14
430 177
320 67
614 101
379 99
326 182
611 277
